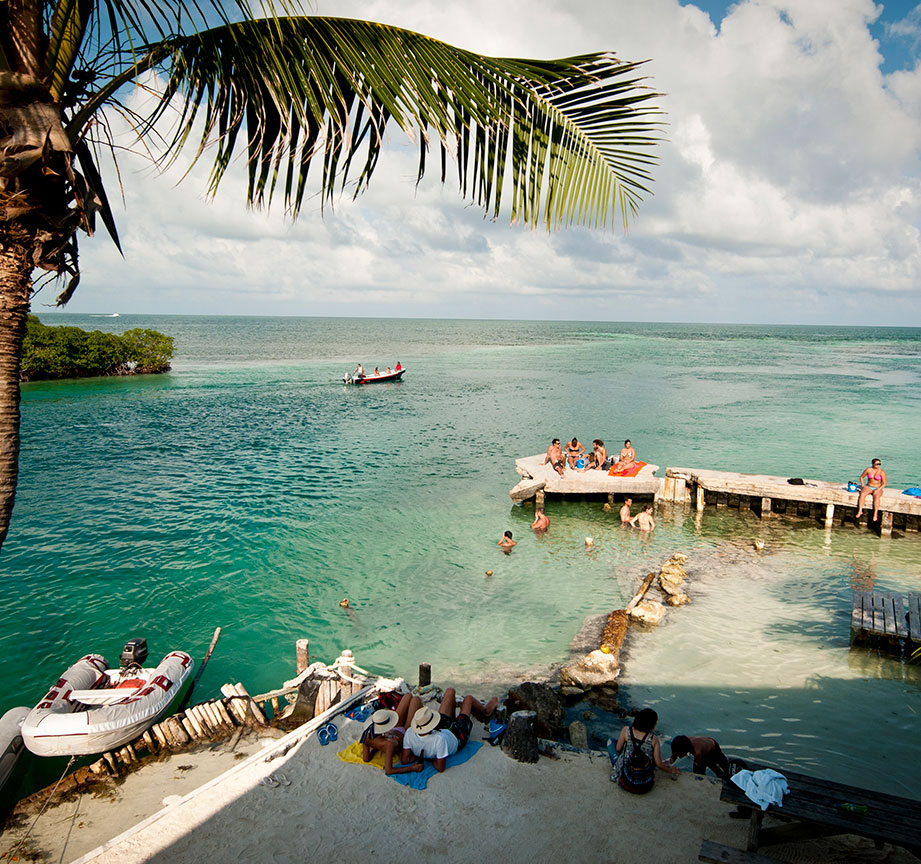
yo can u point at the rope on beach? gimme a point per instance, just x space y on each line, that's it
9 855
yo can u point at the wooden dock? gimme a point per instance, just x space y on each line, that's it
766 494
885 614
825 501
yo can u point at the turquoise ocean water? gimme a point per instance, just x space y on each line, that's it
250 489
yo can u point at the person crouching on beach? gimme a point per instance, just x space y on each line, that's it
643 520
637 754
707 753
506 542
385 734
438 734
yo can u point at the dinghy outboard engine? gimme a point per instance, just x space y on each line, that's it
134 653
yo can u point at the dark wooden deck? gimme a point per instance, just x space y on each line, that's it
882 613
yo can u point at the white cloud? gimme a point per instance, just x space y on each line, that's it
788 190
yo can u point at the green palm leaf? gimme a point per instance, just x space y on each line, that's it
569 140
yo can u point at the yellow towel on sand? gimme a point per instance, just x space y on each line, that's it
352 753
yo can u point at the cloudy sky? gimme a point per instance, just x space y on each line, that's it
788 190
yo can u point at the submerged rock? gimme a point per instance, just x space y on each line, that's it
578 735
595 669
648 612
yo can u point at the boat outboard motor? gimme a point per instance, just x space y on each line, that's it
134 653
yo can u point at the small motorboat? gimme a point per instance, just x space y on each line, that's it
374 379
11 745
92 708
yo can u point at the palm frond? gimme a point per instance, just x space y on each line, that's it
571 140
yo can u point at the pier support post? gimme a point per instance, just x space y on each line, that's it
700 497
679 495
885 523
425 675
539 498
829 515
302 652
765 508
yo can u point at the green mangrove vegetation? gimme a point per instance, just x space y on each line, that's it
69 352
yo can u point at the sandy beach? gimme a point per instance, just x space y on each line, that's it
324 808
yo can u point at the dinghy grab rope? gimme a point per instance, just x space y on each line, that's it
9 855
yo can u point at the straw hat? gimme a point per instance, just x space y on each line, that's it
383 720
425 720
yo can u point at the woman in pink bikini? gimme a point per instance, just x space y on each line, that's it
872 482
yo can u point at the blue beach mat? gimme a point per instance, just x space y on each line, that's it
417 780
912 490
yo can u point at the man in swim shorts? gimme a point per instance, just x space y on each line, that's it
541 521
625 517
555 457
436 735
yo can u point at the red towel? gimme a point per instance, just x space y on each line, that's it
630 472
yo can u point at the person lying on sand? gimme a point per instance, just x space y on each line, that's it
555 457
643 520
385 733
438 734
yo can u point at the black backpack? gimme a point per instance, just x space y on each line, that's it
638 772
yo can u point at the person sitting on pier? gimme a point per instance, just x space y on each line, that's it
625 517
574 451
555 457
438 734
599 452
541 521
872 482
506 542
643 520
707 754
626 460
385 734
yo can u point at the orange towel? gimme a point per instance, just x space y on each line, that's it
630 472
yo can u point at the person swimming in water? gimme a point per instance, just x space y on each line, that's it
506 542
625 517
643 520
541 521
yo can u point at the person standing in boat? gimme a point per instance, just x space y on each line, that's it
359 372
399 366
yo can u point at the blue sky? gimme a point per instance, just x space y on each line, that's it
788 189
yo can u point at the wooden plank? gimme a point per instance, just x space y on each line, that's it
889 614
717 853
879 614
914 617
901 619
857 606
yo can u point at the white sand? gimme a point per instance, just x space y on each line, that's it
491 806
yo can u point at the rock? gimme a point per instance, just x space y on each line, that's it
673 572
648 612
759 545
544 701
678 599
607 507
680 557
578 735
587 715
595 669
589 541
570 692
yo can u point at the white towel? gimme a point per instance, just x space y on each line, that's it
764 787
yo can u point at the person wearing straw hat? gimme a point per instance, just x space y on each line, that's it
384 733
438 734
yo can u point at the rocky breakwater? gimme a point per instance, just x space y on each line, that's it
594 676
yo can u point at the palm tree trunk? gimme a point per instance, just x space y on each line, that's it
16 244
